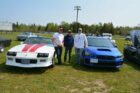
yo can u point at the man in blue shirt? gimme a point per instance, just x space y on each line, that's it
68 44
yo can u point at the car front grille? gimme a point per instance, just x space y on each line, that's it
102 57
27 61
101 63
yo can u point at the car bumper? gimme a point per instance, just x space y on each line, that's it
105 63
11 61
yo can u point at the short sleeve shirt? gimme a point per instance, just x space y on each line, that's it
59 38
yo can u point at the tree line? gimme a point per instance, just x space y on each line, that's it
92 29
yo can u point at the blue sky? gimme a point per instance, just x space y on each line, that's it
119 12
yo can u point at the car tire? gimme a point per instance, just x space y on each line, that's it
53 62
125 54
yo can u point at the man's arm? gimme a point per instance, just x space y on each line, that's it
72 41
65 40
54 39
75 40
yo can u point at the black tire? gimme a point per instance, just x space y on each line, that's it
125 54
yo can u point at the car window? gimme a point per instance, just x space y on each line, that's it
100 42
38 40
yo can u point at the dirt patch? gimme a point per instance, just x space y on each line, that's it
74 90
1 77
99 87
87 89
83 86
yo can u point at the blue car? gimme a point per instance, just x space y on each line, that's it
101 52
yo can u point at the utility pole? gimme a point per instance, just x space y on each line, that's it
77 8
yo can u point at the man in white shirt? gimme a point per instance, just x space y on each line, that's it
58 39
80 42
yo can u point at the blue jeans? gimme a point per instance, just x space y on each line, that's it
58 51
68 50
78 53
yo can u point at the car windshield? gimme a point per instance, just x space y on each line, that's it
99 42
38 40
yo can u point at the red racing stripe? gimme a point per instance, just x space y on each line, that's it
34 48
27 47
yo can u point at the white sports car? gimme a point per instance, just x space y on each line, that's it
34 52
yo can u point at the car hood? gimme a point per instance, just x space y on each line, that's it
103 51
33 48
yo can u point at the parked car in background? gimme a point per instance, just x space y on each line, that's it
132 46
34 52
102 53
23 36
109 36
4 42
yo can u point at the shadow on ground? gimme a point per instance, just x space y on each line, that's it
133 63
91 69
16 70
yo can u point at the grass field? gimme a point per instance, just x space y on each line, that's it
68 78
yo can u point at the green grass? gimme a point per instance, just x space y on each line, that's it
68 78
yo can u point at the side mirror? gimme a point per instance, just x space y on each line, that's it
115 45
21 43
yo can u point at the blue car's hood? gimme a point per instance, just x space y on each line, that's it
103 51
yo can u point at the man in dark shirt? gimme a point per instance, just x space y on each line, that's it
68 44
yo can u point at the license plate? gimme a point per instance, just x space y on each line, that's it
25 61
93 60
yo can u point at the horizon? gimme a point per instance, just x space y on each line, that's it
120 13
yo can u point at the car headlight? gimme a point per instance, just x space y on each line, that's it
42 55
11 53
87 53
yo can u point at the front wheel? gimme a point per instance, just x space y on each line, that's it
53 62
125 54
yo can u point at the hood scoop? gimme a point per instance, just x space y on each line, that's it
104 50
